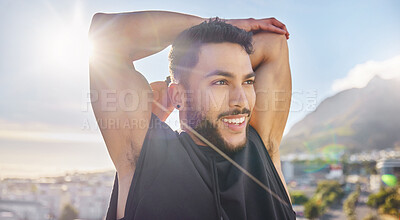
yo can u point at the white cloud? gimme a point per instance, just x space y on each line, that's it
361 74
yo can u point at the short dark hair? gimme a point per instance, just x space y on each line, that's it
184 54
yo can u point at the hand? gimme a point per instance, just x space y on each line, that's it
256 25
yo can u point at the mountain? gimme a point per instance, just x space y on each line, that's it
354 120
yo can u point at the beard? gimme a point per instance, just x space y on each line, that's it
209 130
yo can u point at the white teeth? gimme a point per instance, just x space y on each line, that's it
235 121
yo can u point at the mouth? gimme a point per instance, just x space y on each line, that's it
235 122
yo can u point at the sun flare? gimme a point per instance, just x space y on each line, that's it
61 45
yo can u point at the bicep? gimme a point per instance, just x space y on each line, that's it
121 100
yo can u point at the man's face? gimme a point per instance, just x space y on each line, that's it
221 95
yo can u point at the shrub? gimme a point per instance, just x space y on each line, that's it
69 213
298 198
370 216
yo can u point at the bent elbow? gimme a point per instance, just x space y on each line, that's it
98 20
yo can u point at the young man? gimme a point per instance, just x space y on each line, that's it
233 92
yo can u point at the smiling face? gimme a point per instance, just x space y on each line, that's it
220 95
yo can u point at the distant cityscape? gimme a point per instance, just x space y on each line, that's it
46 197
88 193
369 170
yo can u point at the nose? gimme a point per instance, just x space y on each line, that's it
237 97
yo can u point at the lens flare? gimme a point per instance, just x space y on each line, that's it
389 179
327 148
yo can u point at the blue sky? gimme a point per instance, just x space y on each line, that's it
44 68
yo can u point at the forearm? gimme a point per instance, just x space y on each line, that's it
138 34
271 59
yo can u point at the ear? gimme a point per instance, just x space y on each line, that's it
176 94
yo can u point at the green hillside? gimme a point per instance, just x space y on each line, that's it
358 119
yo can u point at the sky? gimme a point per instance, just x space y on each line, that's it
46 122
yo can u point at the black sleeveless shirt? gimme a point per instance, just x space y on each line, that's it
177 179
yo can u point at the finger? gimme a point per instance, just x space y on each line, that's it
279 24
272 28
276 22
287 35
286 31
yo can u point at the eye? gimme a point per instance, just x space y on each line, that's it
221 82
249 82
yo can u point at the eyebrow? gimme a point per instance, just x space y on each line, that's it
228 74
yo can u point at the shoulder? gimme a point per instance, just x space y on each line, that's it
157 125
161 140
159 134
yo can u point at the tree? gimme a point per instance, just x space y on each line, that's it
312 210
378 199
328 192
349 205
387 200
69 213
392 205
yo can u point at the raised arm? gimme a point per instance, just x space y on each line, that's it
273 83
121 96
273 87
